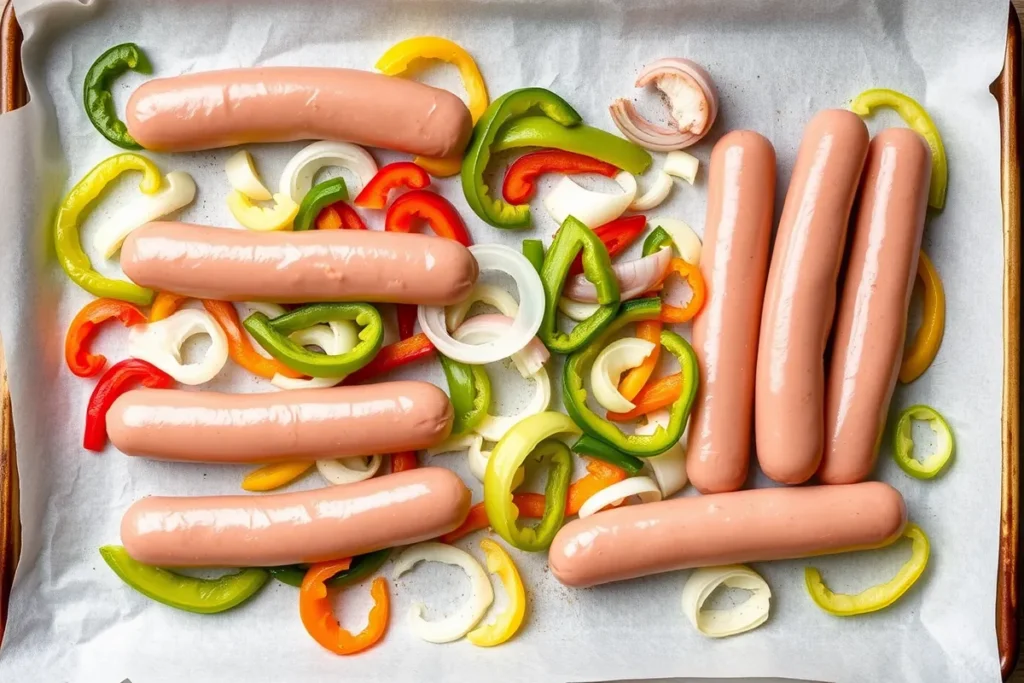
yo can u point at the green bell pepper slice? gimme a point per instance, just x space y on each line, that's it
533 250
595 448
540 131
99 102
529 439
509 106
574 394
272 335
573 236
188 593
903 448
658 239
470 391
363 566
318 198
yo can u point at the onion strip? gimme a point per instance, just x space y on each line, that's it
619 491
178 190
301 169
160 343
589 207
669 468
635 278
338 472
615 359
716 623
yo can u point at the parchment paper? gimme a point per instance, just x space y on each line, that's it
775 62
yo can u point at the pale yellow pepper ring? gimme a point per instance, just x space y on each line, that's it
276 475
508 622
928 338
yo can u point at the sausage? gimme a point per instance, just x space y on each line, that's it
726 528
305 424
800 297
215 109
734 263
872 320
289 528
298 267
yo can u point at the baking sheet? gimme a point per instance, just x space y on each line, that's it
71 619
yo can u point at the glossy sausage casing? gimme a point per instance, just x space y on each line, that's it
310 424
726 528
872 320
734 263
288 528
800 297
214 109
298 267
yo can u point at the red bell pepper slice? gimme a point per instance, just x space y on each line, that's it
118 379
406 460
521 177
399 174
339 216
617 235
393 356
83 328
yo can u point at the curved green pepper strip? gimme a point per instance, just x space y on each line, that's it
272 335
595 448
321 196
574 394
67 240
903 450
99 103
362 567
533 250
597 267
917 118
202 596
470 390
509 106
658 238
530 438
540 131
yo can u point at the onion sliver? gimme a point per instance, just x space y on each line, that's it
488 327
334 338
160 343
472 610
686 241
242 177
718 623
493 427
634 486
669 468
454 444
591 208
681 165
655 195
177 191
268 309
493 257
615 359
576 310
635 277
338 472
491 295
299 172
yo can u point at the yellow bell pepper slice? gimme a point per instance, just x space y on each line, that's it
260 218
508 622
877 597
396 61
274 476
922 352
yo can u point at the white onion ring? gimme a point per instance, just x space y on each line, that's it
746 616
635 277
576 310
469 614
242 177
268 309
587 206
686 242
454 444
655 195
481 329
681 164
619 491
337 471
160 343
177 191
669 468
301 169
491 295
614 359
493 427
334 338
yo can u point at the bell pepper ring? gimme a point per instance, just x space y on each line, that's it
404 460
636 378
877 597
595 448
533 250
99 102
511 618
317 613
319 197
391 177
360 567
272 335
67 238
280 216
274 476
84 327
520 182
542 131
470 391
121 377
655 395
617 236
691 273
339 216
922 351
903 448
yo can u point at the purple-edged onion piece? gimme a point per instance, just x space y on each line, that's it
635 277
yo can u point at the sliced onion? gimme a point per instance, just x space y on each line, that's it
590 207
334 338
488 327
493 427
681 165
576 310
472 610
654 196
692 100
669 468
177 191
268 309
635 277
718 623
491 295
618 492
492 257
615 359
454 444
242 176
477 458
339 472
160 343
298 175
686 241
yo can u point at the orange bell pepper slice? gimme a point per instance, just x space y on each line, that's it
339 216
275 475
317 614
165 305
635 379
658 394
84 327
691 273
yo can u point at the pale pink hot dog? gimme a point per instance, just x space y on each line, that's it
872 320
282 104
289 528
734 263
298 267
310 424
800 297
725 528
